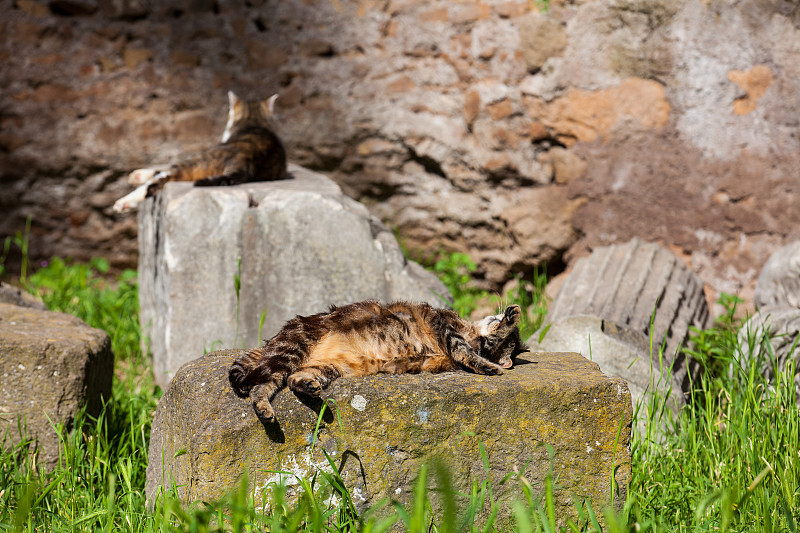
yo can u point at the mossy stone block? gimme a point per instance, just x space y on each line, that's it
553 412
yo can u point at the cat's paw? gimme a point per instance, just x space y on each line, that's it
264 410
131 201
305 385
140 176
490 369
512 314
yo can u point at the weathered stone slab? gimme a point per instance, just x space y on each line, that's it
779 281
303 245
781 325
619 351
630 284
16 296
51 364
204 436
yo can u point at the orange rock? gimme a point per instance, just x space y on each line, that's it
511 9
500 110
470 13
37 9
434 15
133 57
261 55
567 166
401 84
185 58
472 106
587 115
754 82
537 131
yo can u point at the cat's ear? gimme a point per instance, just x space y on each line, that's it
271 104
233 99
234 104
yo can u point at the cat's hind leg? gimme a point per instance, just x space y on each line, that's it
259 375
131 200
261 395
310 380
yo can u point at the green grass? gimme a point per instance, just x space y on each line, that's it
729 461
455 271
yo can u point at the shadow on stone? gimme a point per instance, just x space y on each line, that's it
315 403
273 431
343 464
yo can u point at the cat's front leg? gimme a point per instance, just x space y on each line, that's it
132 200
463 354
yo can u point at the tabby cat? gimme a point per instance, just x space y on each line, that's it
249 151
367 338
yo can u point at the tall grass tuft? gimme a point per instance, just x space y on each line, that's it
732 460
455 272
84 290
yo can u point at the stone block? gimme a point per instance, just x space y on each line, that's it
16 296
619 351
389 425
51 364
781 325
630 284
779 281
296 246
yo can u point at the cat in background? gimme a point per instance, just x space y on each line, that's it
368 338
249 151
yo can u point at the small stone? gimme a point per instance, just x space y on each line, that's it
541 37
37 9
472 106
185 58
500 110
359 403
567 165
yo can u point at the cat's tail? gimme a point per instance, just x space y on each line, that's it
241 373
280 356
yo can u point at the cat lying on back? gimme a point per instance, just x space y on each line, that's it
367 338
249 151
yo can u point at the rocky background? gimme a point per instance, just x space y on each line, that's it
521 138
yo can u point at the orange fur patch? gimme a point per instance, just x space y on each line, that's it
350 354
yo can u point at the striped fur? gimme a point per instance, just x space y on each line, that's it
368 338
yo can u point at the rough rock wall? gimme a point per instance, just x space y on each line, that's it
485 127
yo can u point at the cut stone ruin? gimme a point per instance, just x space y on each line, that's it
388 425
777 297
294 246
51 365
604 310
